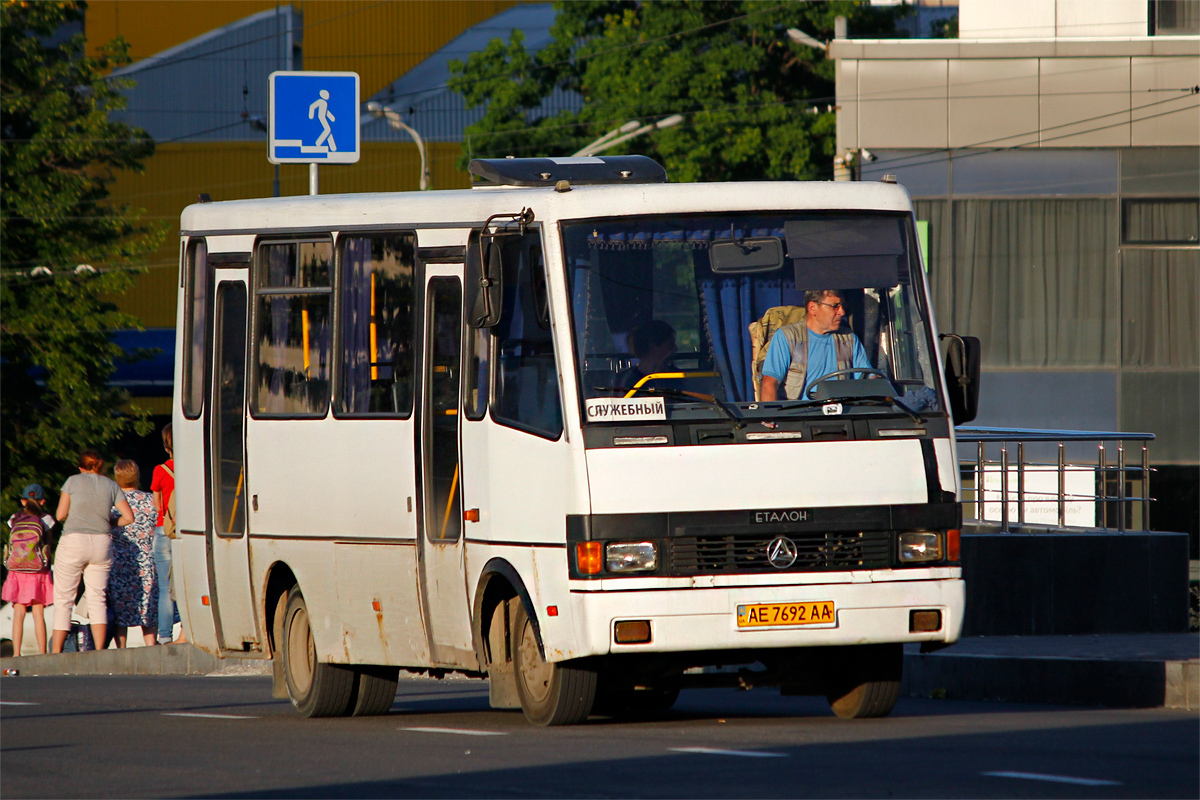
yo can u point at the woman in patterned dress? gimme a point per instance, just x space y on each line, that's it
133 580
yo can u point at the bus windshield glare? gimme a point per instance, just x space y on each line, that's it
667 306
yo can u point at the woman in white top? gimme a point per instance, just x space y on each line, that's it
85 509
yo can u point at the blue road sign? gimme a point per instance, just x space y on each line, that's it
314 118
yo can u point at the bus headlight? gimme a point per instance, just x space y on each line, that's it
631 557
919 546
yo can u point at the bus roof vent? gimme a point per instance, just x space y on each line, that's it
579 170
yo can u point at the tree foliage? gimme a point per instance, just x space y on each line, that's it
60 153
756 105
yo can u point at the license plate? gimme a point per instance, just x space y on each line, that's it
819 612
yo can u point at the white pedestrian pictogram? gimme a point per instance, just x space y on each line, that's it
320 107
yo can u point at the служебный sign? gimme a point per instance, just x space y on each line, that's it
314 118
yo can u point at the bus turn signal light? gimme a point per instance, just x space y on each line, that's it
952 544
471 515
589 557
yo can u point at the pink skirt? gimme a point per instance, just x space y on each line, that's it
29 588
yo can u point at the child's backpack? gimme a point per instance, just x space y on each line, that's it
169 511
26 551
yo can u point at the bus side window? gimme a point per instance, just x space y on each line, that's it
195 323
476 374
377 296
526 388
294 330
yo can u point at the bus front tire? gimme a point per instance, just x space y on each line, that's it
550 693
864 681
316 689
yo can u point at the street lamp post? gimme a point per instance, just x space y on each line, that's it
630 129
393 118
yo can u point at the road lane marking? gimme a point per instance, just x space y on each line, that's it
1037 776
205 716
715 752
460 731
16 703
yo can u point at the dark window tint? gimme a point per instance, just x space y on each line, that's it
479 349
377 294
196 286
229 417
526 377
443 518
294 331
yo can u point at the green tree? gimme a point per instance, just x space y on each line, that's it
60 152
756 105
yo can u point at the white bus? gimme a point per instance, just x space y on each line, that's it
512 432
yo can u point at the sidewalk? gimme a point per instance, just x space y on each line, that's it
1117 670
1138 670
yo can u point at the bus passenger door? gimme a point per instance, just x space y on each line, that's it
228 545
443 574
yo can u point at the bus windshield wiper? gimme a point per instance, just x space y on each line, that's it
853 401
679 394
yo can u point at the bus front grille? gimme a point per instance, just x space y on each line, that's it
747 552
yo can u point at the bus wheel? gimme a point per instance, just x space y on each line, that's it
315 689
374 690
864 681
550 693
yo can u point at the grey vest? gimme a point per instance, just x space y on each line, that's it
797 338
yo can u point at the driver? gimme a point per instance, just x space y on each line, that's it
653 343
803 352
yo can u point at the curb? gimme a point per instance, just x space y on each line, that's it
1114 683
1071 681
168 659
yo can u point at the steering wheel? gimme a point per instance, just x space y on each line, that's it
837 373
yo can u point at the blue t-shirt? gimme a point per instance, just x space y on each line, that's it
822 358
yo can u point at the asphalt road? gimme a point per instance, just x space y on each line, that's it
226 737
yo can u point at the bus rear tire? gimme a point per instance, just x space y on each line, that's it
374 690
864 681
316 689
550 693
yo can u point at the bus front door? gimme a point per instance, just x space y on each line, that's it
442 551
228 546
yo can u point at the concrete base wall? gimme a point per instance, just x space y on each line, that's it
1055 582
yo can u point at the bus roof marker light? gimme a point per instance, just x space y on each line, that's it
551 611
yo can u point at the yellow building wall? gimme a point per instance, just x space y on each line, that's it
178 173
379 41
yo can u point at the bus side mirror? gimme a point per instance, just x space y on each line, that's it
483 281
962 376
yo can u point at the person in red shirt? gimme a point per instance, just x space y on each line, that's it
162 483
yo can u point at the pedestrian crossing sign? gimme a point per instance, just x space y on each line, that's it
314 118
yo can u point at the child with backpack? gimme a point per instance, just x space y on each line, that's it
29 585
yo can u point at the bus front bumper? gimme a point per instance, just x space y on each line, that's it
708 619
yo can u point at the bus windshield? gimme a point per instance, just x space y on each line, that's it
684 308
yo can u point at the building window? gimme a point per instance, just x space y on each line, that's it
293 329
1160 221
377 295
1174 17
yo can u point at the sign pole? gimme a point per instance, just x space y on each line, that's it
312 178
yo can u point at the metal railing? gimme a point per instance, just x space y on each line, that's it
1119 491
